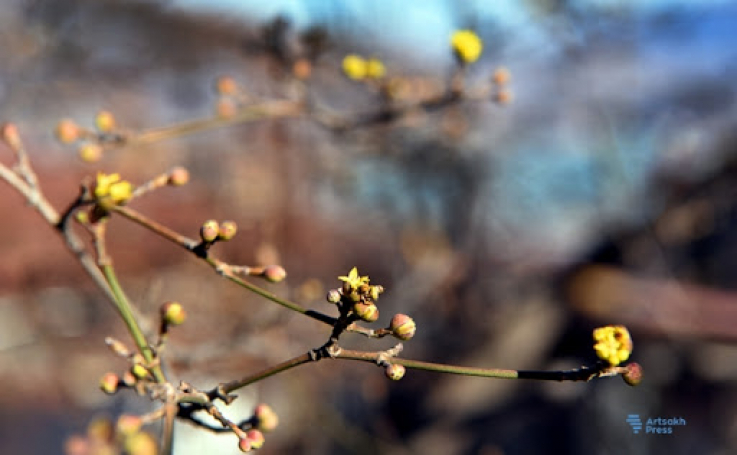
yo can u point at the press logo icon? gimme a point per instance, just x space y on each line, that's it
635 422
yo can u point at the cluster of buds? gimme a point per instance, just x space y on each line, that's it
231 97
501 92
211 231
264 419
90 142
251 440
357 297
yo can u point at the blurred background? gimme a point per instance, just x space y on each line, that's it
603 193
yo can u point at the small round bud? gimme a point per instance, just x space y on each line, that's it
178 176
226 108
9 134
501 76
244 444
141 444
302 69
226 85
82 217
633 375
173 313
209 231
265 417
363 289
67 131
105 121
395 372
504 96
101 429
275 273
139 371
354 297
128 379
90 152
109 383
369 312
402 327
128 424
256 438
227 230
333 296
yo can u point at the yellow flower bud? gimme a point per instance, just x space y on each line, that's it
265 417
104 121
395 372
209 230
354 66
173 313
402 327
467 46
67 131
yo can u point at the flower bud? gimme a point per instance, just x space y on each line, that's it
9 133
265 417
501 76
173 313
141 444
227 230
402 327
67 131
363 289
109 383
504 96
139 371
128 379
275 273
395 372
178 176
333 296
128 424
104 121
244 444
90 152
302 69
633 375
369 312
256 438
101 429
226 85
209 231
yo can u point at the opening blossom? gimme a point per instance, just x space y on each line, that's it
613 344
467 45
111 185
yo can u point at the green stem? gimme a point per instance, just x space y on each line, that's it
428 366
124 308
263 374
216 264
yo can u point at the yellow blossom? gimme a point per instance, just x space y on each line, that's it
467 45
375 68
355 67
613 344
111 185
353 279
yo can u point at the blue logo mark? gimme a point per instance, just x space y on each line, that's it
634 420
